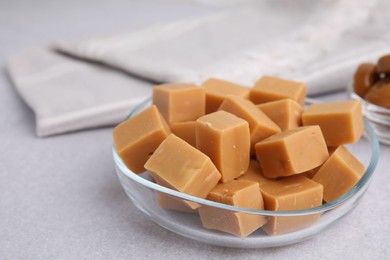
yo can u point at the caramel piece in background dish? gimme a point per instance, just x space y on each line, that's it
177 165
384 64
217 89
379 94
341 122
292 152
186 131
270 88
365 76
339 173
179 102
135 141
286 113
244 194
225 138
260 125
292 193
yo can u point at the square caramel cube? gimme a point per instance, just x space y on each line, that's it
217 89
244 194
180 102
225 138
186 131
260 125
286 113
339 173
177 165
135 141
269 88
292 193
341 122
291 152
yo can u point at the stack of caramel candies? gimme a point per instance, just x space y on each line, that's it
372 82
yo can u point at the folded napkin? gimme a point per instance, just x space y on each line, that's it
78 84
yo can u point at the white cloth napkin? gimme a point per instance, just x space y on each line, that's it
320 43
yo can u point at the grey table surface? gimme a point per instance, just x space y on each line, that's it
60 197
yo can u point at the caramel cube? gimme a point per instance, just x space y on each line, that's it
225 138
135 141
291 152
173 203
244 194
341 122
286 113
270 88
260 125
178 165
217 89
339 173
180 102
186 131
255 173
293 193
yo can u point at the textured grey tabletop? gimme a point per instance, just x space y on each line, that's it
60 197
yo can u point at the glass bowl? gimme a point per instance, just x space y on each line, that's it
143 192
379 117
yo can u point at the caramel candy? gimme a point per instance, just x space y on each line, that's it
379 94
179 102
339 173
293 193
170 202
270 88
291 152
365 76
225 138
186 131
255 173
217 89
260 125
244 194
286 113
178 165
341 122
135 141
384 64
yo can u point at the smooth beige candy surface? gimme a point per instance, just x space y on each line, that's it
225 138
217 89
255 173
291 193
180 102
292 152
135 141
339 173
178 165
260 125
245 194
341 122
270 88
286 113
186 131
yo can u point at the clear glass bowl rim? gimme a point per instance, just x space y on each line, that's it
320 209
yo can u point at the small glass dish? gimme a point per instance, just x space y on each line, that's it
378 116
143 192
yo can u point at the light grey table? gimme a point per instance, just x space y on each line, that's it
60 197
